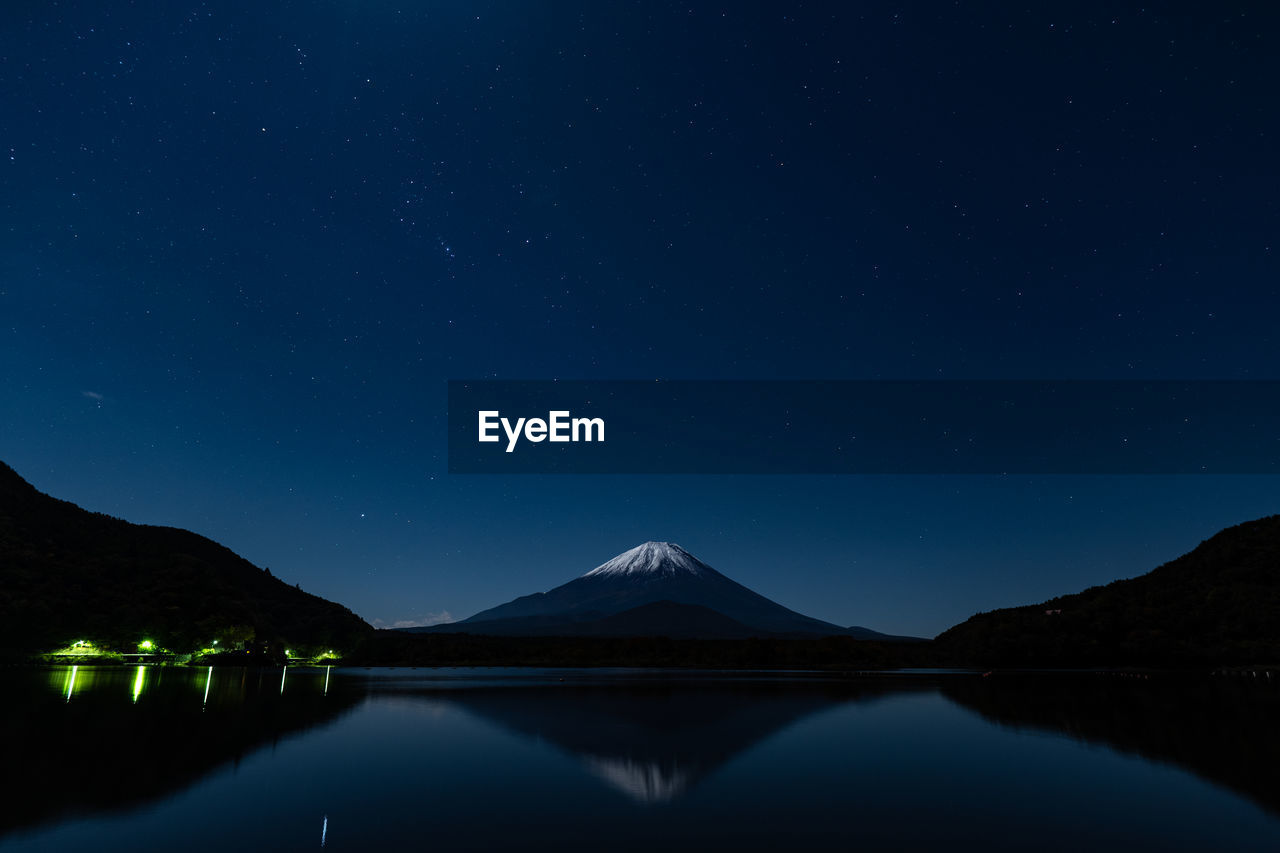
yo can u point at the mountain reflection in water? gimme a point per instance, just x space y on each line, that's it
653 742
568 759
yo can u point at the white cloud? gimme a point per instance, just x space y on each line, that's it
430 619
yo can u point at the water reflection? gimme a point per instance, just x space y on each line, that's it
1222 729
138 682
654 742
561 760
110 738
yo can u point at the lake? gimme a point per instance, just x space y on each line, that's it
152 758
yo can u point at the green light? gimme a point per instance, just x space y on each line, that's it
146 645
137 683
78 648
71 685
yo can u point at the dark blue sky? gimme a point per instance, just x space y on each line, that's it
243 246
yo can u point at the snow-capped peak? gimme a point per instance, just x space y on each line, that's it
651 558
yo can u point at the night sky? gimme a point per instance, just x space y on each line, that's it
243 247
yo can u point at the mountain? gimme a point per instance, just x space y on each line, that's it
655 589
1219 603
656 619
67 574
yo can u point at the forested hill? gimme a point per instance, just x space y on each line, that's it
67 574
1219 603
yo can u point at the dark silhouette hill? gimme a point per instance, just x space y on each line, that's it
1219 603
655 589
68 574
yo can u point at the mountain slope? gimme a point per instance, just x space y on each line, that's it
659 618
68 574
1218 603
648 574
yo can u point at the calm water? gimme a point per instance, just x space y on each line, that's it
472 759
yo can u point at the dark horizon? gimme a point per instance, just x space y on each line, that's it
244 249
670 607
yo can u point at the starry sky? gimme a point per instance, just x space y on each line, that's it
243 246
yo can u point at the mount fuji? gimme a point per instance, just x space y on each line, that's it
655 589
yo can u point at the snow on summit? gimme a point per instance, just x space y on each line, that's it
651 558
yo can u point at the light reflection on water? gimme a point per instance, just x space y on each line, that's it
138 682
213 758
71 682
